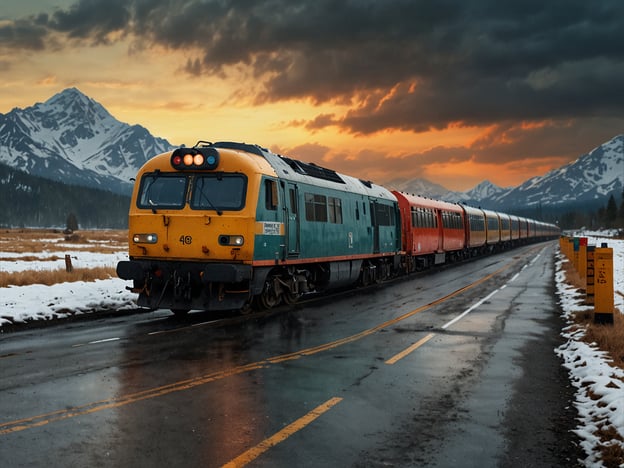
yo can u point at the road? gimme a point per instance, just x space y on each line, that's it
452 368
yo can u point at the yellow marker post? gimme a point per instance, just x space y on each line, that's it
575 254
589 276
582 257
570 250
603 285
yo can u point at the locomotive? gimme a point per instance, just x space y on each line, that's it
223 225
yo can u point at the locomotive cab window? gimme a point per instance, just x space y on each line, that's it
219 192
162 191
270 194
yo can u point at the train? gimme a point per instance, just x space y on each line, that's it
228 225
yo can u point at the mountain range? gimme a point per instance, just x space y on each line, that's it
588 181
73 139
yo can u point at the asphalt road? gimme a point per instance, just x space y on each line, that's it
453 368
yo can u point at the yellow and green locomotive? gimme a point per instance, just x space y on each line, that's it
218 225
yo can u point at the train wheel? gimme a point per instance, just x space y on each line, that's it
290 298
270 296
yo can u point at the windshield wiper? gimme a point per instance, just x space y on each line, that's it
205 197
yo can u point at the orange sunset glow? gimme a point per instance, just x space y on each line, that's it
382 90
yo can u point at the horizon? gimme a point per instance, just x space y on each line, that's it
381 90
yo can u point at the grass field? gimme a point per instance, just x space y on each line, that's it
37 256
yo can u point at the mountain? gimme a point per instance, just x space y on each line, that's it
592 177
72 139
484 191
588 181
421 187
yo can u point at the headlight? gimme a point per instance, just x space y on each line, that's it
231 240
145 238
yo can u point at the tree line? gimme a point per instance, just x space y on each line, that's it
606 216
31 201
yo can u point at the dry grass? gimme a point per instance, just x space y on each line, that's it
50 277
42 240
39 241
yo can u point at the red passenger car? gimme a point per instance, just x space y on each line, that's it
432 230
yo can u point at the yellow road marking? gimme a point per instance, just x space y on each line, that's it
406 351
254 452
59 415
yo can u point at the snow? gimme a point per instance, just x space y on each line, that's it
20 304
600 387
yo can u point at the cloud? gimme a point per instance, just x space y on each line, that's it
396 65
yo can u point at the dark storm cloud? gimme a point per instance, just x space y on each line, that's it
92 19
23 34
399 64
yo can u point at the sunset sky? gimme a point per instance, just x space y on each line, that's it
454 91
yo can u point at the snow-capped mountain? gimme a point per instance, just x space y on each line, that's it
421 187
588 180
591 177
486 190
71 138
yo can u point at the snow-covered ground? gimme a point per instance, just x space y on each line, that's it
39 302
600 387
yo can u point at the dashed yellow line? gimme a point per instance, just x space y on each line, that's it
254 452
410 349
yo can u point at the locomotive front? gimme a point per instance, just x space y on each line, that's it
191 228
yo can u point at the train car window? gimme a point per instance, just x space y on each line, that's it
477 223
384 215
492 223
270 194
219 192
335 210
160 191
316 207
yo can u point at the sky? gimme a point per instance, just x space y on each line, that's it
452 91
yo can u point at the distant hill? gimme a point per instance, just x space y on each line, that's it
32 201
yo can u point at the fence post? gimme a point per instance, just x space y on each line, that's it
68 264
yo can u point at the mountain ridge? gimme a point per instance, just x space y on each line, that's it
73 139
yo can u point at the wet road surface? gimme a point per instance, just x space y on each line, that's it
455 368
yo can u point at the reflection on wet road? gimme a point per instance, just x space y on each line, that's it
323 383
